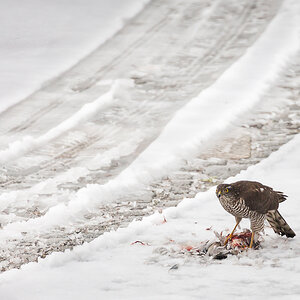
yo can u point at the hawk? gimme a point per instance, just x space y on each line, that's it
255 201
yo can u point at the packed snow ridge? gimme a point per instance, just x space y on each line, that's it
118 92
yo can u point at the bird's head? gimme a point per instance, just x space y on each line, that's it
224 190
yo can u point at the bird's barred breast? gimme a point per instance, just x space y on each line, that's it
236 208
240 210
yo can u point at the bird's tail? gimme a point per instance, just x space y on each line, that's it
279 224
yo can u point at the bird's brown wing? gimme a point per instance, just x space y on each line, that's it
259 197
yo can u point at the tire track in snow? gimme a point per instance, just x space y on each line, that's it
268 126
136 111
64 155
64 85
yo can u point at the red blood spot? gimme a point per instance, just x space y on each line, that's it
188 247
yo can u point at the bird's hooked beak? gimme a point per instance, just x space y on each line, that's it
219 194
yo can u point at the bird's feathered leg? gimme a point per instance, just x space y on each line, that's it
257 225
238 220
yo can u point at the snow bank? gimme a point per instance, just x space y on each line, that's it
111 268
41 39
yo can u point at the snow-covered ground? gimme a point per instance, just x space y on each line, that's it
117 123
237 90
41 39
112 268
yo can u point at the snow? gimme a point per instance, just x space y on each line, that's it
186 131
42 39
235 91
111 267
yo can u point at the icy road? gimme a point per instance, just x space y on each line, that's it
179 96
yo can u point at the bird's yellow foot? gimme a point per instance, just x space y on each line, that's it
228 239
232 232
252 238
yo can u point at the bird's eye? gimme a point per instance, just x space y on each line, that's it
226 190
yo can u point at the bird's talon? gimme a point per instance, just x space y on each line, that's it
227 239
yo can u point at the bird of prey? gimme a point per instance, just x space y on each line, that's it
255 201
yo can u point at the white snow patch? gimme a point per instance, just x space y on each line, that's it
41 39
105 159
